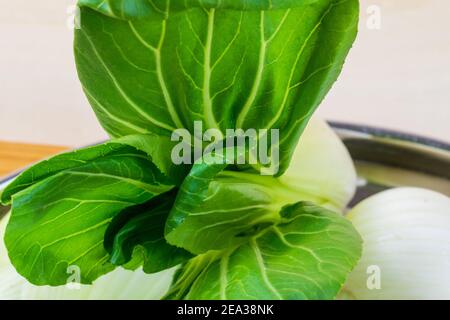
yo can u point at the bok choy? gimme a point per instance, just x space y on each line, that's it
122 284
152 68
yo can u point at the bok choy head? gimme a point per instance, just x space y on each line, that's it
149 68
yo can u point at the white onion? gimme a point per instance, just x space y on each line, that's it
406 233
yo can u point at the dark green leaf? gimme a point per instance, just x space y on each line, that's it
155 147
136 237
307 255
126 9
228 69
217 208
60 220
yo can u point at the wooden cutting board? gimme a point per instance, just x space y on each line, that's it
15 156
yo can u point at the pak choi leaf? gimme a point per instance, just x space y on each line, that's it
159 8
307 255
218 207
60 221
262 65
136 237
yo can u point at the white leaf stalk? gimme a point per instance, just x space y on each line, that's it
406 255
322 168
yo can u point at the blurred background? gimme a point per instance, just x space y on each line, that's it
397 76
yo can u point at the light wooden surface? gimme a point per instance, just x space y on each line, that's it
15 156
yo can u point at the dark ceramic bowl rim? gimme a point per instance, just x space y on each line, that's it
357 128
392 134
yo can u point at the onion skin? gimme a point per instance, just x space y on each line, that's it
406 233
